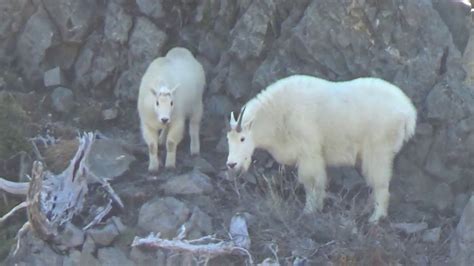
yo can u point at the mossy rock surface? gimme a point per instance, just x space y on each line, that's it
13 127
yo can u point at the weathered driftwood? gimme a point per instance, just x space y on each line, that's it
207 246
18 207
53 200
14 187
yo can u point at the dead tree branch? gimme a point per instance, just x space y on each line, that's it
52 201
207 246
14 187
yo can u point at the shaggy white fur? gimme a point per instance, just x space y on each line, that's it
171 92
311 123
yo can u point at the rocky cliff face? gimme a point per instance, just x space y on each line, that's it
423 46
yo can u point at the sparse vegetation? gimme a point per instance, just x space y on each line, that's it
13 132
339 234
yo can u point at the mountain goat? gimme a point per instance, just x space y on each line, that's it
171 92
311 123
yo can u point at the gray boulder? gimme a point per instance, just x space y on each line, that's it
97 61
146 42
248 35
151 8
462 244
74 19
108 159
39 34
128 83
113 256
117 23
62 100
54 77
164 215
193 182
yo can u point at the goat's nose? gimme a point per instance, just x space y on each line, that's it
231 165
164 120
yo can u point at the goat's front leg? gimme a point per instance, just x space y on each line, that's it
151 138
175 135
312 174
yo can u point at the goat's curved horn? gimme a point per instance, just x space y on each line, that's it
239 121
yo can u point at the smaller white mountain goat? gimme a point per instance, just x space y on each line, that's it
171 93
312 123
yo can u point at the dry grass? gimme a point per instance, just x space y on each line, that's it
339 235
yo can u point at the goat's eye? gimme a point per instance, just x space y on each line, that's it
171 103
242 139
157 103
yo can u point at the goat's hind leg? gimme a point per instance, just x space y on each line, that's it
194 126
377 170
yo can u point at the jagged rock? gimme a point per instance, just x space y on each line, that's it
456 15
193 182
108 159
144 257
238 82
71 236
62 55
87 253
73 258
468 57
34 251
113 256
62 100
110 113
73 18
442 198
250 30
96 62
164 215
54 77
219 105
202 165
105 235
199 224
460 203
117 23
462 243
151 8
14 14
211 46
129 82
146 42
39 34
432 235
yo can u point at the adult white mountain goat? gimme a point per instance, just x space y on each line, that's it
311 123
170 93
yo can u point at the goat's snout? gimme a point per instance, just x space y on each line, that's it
164 120
231 165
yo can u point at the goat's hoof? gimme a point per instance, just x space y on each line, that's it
375 218
170 166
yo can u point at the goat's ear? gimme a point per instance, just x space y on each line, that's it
153 91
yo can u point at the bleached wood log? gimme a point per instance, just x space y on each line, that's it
207 246
18 207
14 187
